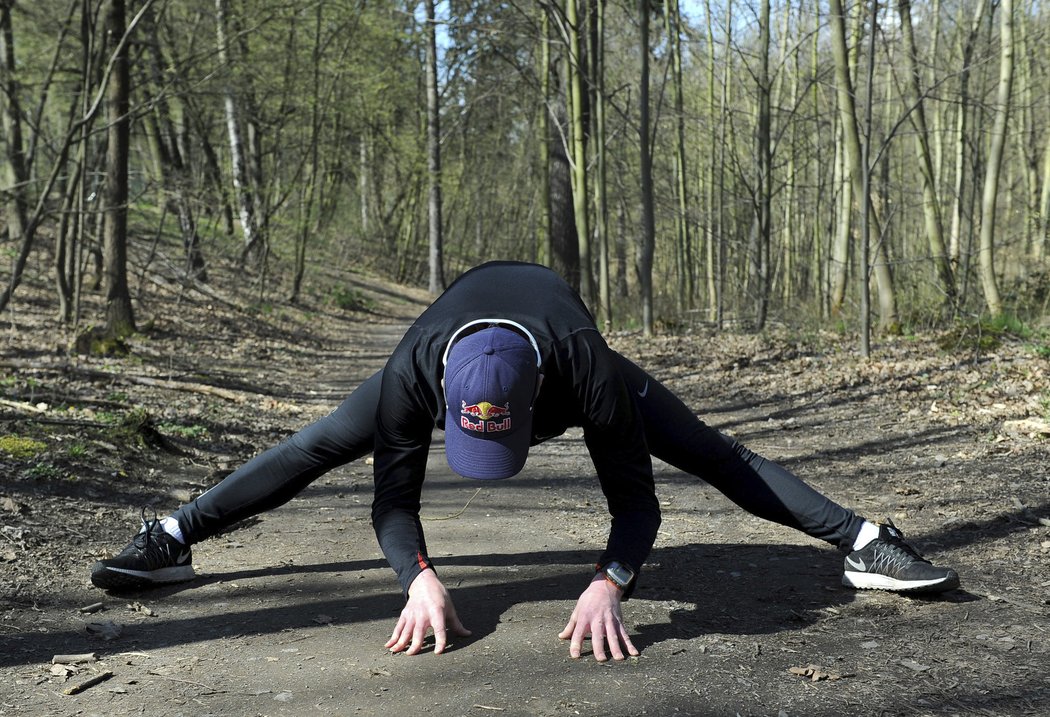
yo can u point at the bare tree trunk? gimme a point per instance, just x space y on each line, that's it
727 137
990 193
600 186
843 227
888 320
543 244
437 275
818 173
308 193
841 249
683 245
565 253
930 201
622 287
1026 136
763 225
936 105
579 149
362 182
961 136
252 245
866 213
647 244
72 234
714 221
15 175
1042 236
120 317
15 171
792 273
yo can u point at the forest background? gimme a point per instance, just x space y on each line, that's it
727 163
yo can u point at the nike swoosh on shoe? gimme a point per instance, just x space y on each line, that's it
857 565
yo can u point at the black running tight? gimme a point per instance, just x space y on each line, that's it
673 432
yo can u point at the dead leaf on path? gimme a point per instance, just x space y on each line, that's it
816 673
139 607
107 630
913 665
378 672
12 506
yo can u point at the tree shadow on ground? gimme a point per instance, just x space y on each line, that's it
686 592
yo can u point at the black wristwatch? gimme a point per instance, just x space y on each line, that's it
617 573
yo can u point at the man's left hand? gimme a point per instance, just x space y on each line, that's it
597 614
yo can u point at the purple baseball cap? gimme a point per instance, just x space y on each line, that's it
491 380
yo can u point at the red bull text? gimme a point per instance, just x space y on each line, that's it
486 413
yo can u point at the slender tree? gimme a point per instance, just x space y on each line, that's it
888 319
544 250
601 221
990 191
246 204
683 245
709 169
579 147
120 316
647 244
1042 236
917 115
308 191
759 259
962 135
15 170
436 280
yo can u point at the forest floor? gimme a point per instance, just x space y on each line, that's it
733 616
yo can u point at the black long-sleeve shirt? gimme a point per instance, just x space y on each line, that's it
581 387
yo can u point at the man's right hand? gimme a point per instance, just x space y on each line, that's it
428 606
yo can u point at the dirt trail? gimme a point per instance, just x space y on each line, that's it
733 615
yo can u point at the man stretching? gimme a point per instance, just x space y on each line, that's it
506 358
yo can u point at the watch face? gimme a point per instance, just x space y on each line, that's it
619 574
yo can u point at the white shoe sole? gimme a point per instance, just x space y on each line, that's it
111 578
176 574
874 581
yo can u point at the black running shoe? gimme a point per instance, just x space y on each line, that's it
889 563
152 558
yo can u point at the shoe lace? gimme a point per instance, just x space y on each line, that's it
144 539
898 551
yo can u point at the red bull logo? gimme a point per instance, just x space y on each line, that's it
488 415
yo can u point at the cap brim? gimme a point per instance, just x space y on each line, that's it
486 458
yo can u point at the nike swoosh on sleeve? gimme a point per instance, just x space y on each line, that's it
645 389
